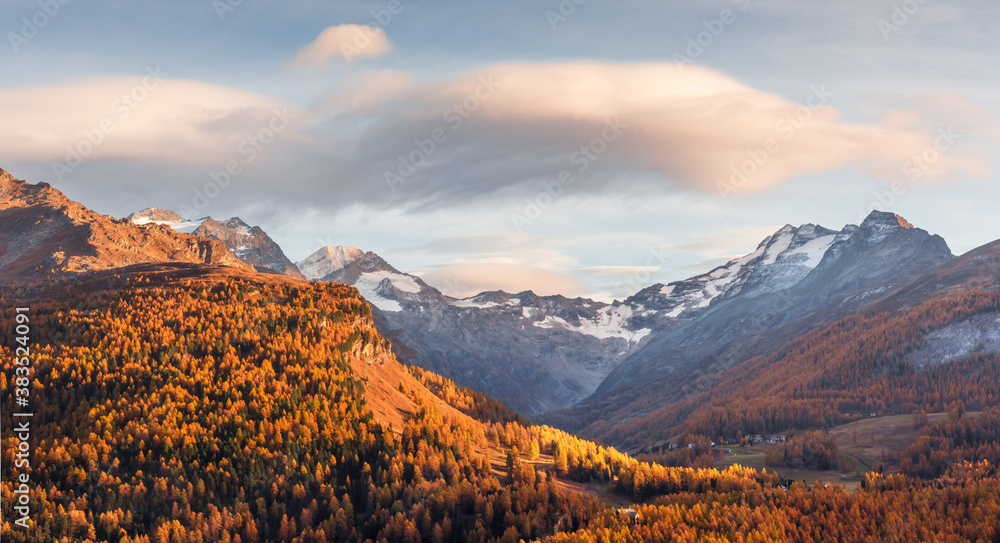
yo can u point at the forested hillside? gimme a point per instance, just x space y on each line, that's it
201 410
861 365
186 404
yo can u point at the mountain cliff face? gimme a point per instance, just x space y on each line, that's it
248 243
45 233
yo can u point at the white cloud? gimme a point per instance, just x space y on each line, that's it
121 117
693 128
347 41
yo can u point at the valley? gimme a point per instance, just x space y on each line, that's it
500 272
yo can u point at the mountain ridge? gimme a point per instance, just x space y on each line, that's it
46 233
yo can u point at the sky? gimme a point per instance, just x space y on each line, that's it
579 147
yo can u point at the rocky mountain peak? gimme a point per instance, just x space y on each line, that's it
6 178
250 244
239 225
879 225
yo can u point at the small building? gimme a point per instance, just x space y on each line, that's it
630 514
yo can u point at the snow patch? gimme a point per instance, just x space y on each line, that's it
814 250
609 323
184 226
977 334
367 284
775 248
469 302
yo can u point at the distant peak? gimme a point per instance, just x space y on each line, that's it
879 225
341 250
327 260
7 182
886 218
236 222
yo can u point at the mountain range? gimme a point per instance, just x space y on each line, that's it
583 365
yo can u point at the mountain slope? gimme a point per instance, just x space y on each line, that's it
220 406
45 233
534 353
941 355
860 266
780 261
254 408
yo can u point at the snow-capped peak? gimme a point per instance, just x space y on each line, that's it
156 215
328 260
780 261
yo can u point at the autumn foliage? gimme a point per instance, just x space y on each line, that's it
234 411
849 370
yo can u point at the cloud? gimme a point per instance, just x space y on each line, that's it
512 126
493 243
463 280
385 140
144 117
349 41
